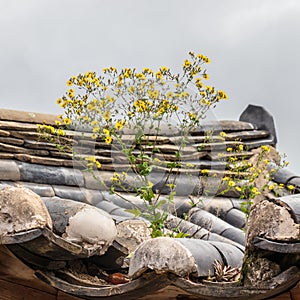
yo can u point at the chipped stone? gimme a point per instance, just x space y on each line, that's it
131 233
162 255
273 221
259 271
21 210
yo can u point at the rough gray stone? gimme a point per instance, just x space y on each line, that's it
21 210
163 255
131 233
272 221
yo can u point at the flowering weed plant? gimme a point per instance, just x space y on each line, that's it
127 110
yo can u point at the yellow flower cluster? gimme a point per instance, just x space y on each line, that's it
48 129
92 161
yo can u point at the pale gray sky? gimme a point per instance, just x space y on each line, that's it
254 47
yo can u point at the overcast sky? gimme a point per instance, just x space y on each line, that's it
254 47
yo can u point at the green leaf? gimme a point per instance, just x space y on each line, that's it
135 211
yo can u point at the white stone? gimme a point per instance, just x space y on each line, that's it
162 255
91 228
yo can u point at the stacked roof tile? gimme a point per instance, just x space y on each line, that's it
83 240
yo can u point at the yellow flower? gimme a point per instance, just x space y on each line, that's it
110 99
164 69
223 134
209 89
106 131
187 63
199 84
67 121
108 140
204 171
71 93
192 116
225 178
147 70
96 129
175 107
60 132
205 76
266 148
271 187
238 188
57 122
206 59
266 161
290 187
255 191
116 177
241 147
229 149
158 75
69 82
59 101
98 164
231 183
131 89
222 95
106 115
119 125
140 76
169 95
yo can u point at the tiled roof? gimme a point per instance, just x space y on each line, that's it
81 239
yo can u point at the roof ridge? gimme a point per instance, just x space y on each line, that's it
26 117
